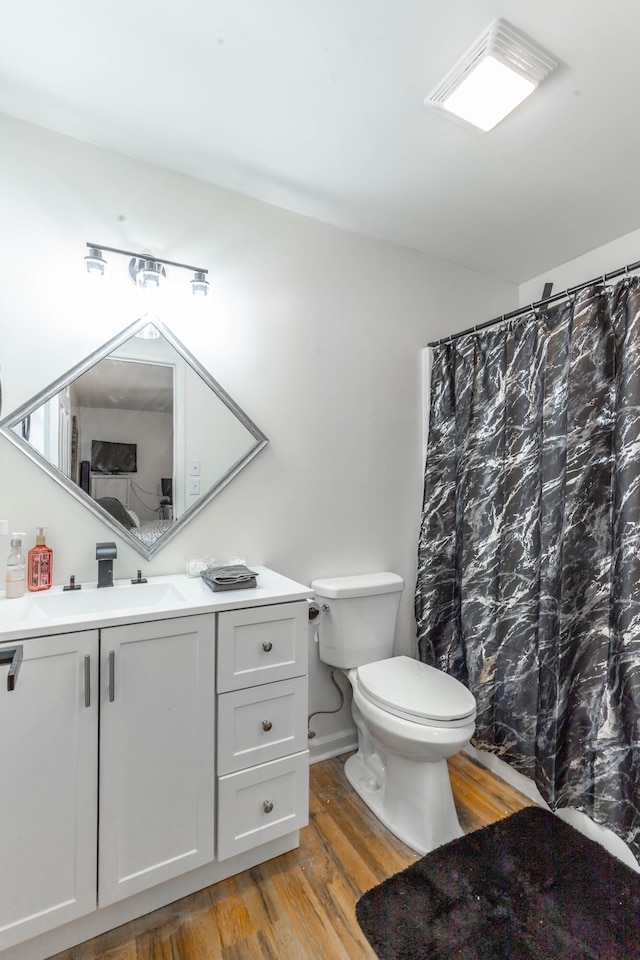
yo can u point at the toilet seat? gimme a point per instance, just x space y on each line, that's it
415 691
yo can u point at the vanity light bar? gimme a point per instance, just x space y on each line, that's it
95 263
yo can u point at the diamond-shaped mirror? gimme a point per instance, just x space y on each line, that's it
140 433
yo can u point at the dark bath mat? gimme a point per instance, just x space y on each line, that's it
528 887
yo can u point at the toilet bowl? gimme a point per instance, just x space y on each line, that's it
409 716
402 773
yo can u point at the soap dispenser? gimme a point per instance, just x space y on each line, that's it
15 568
40 564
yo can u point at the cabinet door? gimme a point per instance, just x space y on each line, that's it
156 753
48 785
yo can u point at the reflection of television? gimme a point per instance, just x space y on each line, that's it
110 457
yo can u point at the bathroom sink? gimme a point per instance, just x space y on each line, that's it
120 597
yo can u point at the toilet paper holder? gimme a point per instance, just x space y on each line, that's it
315 612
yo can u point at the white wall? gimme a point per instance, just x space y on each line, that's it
151 431
315 332
611 256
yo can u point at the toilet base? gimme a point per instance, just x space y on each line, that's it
424 816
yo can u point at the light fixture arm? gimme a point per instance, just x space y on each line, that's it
147 256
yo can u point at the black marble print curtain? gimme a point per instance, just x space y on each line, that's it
529 555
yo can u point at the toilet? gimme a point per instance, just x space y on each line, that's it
410 717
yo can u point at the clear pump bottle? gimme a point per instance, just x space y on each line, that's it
15 568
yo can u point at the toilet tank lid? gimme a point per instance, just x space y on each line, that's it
362 585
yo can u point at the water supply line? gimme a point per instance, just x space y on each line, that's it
315 614
311 733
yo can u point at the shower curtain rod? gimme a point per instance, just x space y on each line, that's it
630 268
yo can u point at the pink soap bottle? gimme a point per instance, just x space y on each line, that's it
40 564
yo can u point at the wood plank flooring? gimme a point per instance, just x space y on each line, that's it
299 906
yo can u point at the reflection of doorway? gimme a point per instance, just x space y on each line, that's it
74 450
64 442
130 401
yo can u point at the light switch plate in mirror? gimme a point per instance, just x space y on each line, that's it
122 429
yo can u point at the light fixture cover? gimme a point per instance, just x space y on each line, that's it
149 274
150 332
496 74
95 263
200 284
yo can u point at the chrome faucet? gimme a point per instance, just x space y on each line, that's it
105 555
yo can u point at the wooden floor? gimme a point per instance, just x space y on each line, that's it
299 906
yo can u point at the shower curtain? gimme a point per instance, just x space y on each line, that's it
529 556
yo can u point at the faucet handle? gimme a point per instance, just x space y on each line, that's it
106 551
139 578
72 585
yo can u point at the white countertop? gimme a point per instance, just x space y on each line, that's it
52 611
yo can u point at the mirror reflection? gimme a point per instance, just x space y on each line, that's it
139 432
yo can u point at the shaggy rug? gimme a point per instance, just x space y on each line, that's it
528 887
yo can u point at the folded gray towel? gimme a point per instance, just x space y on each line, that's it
235 577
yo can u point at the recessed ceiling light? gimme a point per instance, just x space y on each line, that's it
496 74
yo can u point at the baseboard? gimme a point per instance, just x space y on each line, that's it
323 748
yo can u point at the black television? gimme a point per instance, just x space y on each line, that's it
110 457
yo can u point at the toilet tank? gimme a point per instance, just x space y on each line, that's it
359 618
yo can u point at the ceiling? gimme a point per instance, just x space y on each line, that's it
126 385
317 106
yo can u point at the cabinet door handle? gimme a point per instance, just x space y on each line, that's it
266 725
267 806
87 680
12 655
267 646
112 675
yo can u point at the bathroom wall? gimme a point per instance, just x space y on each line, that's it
611 256
316 333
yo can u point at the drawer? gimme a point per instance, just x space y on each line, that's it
262 644
261 724
262 803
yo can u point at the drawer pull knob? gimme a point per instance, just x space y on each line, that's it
267 646
267 806
266 725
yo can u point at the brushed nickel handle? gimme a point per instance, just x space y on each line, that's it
266 725
267 806
87 680
267 646
112 675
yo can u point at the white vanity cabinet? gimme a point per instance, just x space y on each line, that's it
148 757
156 753
48 784
263 761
